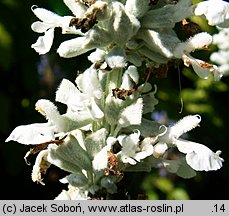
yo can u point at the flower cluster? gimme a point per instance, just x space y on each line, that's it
104 132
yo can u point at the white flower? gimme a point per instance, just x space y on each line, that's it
32 134
40 167
97 56
215 11
202 69
83 99
38 133
159 149
82 110
73 193
49 22
198 156
132 151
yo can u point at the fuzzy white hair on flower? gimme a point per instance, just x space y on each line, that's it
199 41
183 126
215 11
202 69
49 110
116 58
97 56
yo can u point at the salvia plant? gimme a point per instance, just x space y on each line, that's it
104 132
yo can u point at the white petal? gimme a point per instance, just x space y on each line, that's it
111 141
41 27
46 15
184 125
44 43
63 196
198 156
66 91
96 112
32 134
198 41
129 144
130 75
116 58
97 56
202 72
89 76
126 159
73 47
216 11
204 69
49 110
77 8
221 40
159 149
40 167
145 152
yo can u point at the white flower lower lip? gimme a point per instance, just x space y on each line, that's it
198 156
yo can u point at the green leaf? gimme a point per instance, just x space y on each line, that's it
95 142
77 179
72 154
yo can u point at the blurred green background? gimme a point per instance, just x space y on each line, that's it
27 77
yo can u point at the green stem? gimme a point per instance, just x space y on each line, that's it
116 131
114 80
90 177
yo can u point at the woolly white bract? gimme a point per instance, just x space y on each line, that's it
103 132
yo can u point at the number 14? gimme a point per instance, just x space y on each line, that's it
219 208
